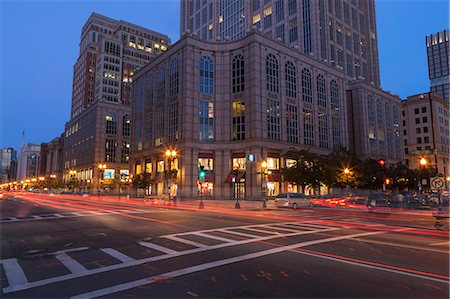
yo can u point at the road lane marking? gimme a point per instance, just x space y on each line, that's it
157 247
440 243
229 231
403 245
188 242
71 264
69 250
37 217
117 255
261 230
373 265
14 272
210 265
51 280
275 227
212 237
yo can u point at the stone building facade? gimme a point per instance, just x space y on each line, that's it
374 123
426 132
226 107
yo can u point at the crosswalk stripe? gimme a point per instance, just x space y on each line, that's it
260 230
117 255
281 228
238 233
13 272
70 263
189 242
157 247
213 237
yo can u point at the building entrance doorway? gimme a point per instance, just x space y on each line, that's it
238 190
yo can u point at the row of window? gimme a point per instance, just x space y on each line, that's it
111 124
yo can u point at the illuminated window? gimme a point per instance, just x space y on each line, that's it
160 166
138 168
238 120
239 163
268 11
220 19
206 120
111 123
156 46
207 163
256 18
148 167
273 163
210 27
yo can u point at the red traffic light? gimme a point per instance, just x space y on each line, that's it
381 162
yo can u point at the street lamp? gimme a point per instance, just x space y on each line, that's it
423 162
170 155
101 169
346 171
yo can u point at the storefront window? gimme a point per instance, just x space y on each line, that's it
174 164
207 163
239 163
160 166
205 189
290 163
273 163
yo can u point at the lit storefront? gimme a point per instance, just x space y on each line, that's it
206 178
273 176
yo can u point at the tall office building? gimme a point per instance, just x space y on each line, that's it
7 156
111 51
341 33
438 52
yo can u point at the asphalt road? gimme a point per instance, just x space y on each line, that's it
83 248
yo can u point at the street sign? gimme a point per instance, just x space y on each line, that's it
437 183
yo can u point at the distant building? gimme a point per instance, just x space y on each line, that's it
438 52
52 158
374 123
426 133
28 161
111 51
8 157
340 34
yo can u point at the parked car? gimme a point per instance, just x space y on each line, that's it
378 203
291 200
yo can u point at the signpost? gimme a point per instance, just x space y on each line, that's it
437 183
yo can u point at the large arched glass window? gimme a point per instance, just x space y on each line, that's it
238 73
321 91
291 79
206 75
272 74
126 125
334 92
174 78
306 86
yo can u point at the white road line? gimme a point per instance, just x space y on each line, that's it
210 265
308 225
37 217
372 266
189 242
59 215
13 272
229 231
79 214
13 219
157 247
403 245
213 237
261 230
281 228
69 250
51 280
117 255
71 264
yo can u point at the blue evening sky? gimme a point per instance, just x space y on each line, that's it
39 45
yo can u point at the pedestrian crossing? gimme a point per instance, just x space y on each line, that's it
68 215
80 262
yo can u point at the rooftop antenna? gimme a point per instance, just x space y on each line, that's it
22 139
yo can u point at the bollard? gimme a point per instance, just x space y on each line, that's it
237 205
264 204
201 204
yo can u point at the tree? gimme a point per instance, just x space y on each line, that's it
337 162
309 169
141 181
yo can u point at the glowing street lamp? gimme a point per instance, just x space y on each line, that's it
423 162
101 168
346 171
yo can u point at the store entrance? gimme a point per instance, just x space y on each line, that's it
238 190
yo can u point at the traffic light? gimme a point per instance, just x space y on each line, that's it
381 163
201 172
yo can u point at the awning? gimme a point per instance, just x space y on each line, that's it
275 176
235 176
209 178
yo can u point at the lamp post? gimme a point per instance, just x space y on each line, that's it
170 156
72 174
101 169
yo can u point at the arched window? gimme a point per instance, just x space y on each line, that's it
206 75
291 79
306 86
174 78
334 92
272 74
321 91
111 123
238 73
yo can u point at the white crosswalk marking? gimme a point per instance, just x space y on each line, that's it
13 272
117 255
157 247
229 231
261 230
70 263
281 228
213 237
181 240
